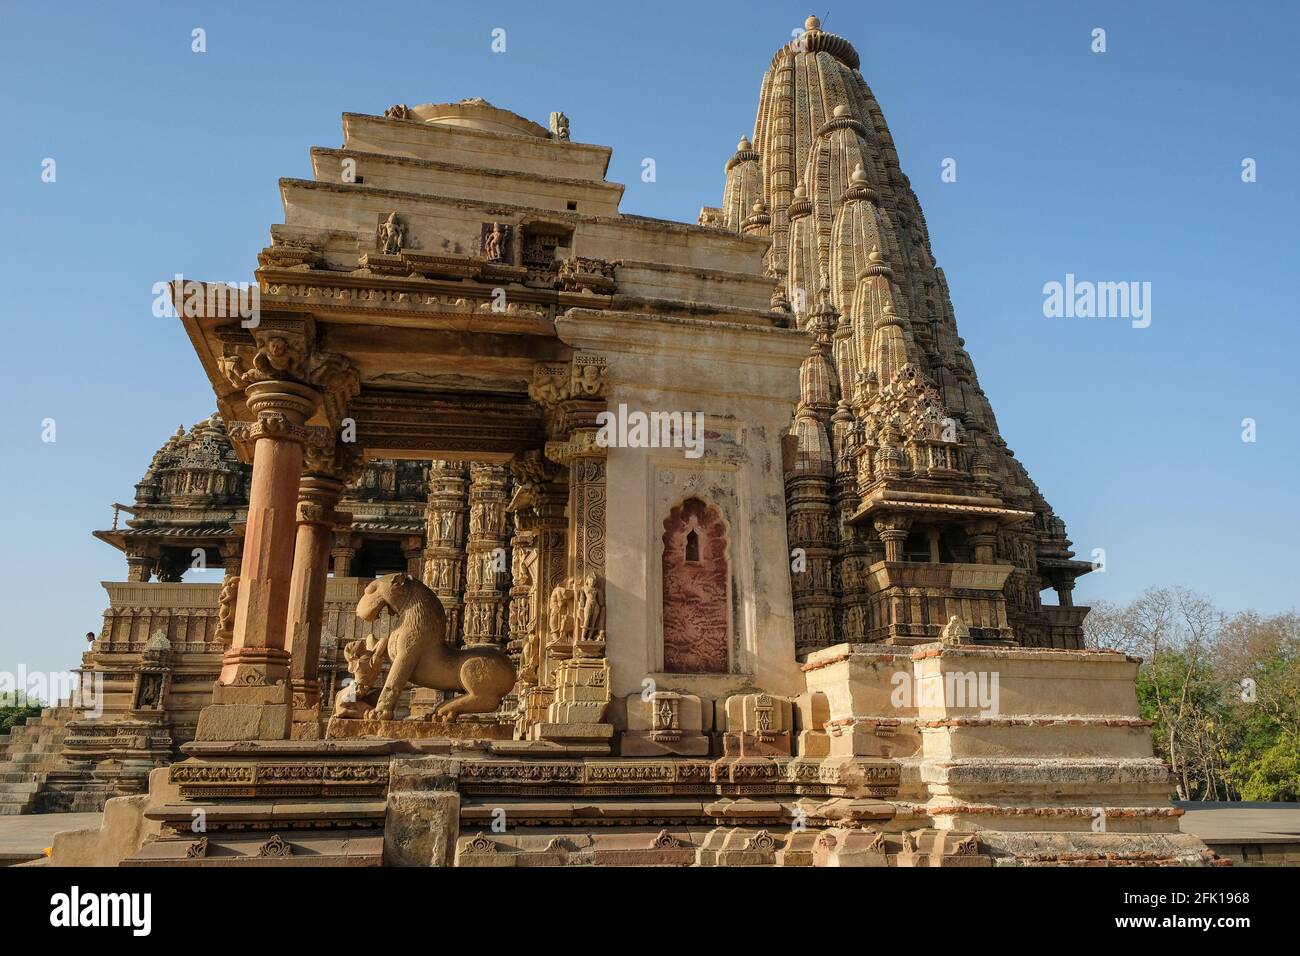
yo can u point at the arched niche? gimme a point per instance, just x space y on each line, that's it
696 581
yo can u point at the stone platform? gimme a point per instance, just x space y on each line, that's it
341 728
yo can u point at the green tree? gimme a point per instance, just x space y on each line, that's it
16 708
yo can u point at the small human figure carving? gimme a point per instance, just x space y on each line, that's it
392 235
559 127
149 689
590 611
561 613
494 242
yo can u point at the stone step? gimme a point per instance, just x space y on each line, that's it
72 801
34 761
14 776
336 848
21 787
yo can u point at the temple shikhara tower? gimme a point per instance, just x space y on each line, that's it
676 544
899 457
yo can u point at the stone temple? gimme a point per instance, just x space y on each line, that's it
556 535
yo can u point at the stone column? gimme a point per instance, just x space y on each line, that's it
487 566
539 546
523 590
983 536
342 553
537 672
893 531
140 566
251 699
317 496
444 555
413 552
577 661
572 397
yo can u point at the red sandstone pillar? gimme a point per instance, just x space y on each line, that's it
251 698
317 496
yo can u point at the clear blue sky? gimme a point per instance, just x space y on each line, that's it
1119 166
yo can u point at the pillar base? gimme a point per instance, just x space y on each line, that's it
254 667
247 712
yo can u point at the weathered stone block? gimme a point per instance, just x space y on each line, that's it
420 829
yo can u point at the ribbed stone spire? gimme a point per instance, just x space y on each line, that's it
852 253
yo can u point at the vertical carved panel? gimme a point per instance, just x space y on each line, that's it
487 580
696 616
444 556
588 479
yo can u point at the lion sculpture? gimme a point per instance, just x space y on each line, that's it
420 654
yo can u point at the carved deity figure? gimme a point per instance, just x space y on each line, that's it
494 242
392 235
559 127
561 613
589 379
150 687
226 608
528 663
589 611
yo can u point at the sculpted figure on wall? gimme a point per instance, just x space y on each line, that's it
226 609
591 612
420 654
559 127
392 235
561 613
359 695
496 242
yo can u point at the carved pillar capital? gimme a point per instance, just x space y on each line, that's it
893 530
572 395
317 496
284 350
327 457
983 536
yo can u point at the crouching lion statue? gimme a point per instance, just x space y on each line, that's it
420 654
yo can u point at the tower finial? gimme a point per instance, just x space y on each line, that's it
812 23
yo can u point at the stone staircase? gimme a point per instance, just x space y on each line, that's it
30 756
